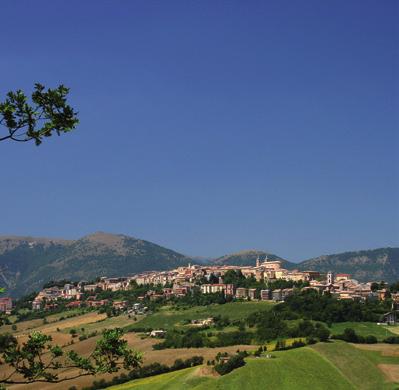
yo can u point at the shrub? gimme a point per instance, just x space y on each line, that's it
371 339
391 340
280 345
310 340
234 362
298 344
351 336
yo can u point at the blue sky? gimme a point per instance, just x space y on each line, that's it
209 126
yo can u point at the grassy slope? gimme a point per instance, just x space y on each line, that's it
177 380
359 366
337 366
291 370
365 329
167 318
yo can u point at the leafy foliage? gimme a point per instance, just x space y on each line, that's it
37 360
351 336
391 340
234 362
324 307
47 113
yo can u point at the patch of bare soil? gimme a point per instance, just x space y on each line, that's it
206 371
391 371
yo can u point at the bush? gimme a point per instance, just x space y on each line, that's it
351 336
280 345
298 344
310 340
371 339
7 340
234 362
391 340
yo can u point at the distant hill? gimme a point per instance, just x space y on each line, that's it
249 257
26 263
366 265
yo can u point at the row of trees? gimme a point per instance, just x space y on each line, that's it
269 326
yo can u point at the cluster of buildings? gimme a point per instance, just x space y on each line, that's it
343 286
46 298
263 270
209 279
6 305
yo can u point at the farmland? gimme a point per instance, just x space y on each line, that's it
168 317
366 329
335 365
59 325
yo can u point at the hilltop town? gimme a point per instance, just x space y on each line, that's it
226 315
211 279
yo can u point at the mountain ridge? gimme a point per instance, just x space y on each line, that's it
370 264
27 262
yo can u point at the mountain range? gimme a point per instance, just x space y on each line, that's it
26 263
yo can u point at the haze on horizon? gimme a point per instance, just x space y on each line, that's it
210 127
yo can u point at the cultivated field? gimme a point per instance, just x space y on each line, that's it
324 366
365 329
59 331
335 365
167 318
359 365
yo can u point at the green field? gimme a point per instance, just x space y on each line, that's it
359 366
177 380
364 329
168 318
324 366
